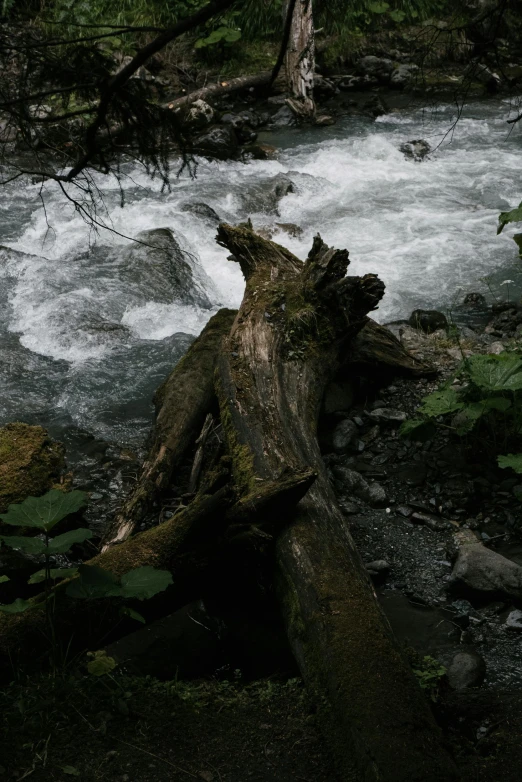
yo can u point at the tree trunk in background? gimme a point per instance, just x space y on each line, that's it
300 59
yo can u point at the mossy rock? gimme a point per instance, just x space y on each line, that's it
30 463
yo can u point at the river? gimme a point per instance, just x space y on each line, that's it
83 347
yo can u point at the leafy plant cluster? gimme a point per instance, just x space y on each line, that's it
486 402
429 673
87 581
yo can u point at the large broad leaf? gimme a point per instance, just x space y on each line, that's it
54 573
441 403
18 607
93 582
44 512
513 460
3 579
417 429
145 582
496 373
62 543
378 8
514 216
28 545
128 611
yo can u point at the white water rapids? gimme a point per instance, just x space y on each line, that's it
428 229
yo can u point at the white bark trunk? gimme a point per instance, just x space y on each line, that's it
300 59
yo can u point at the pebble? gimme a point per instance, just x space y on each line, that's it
388 415
514 620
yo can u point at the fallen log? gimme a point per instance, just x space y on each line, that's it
183 401
285 345
221 88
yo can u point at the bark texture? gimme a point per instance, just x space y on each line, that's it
376 350
300 59
183 401
285 345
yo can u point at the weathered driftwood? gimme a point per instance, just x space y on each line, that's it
221 88
286 343
183 401
376 350
300 59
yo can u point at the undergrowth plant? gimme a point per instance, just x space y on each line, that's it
85 581
485 403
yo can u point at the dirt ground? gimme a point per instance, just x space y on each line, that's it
141 730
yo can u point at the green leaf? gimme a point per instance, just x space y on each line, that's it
127 611
514 216
397 16
497 403
441 403
44 512
102 664
18 607
62 543
73 772
29 545
378 8
513 460
417 429
93 582
496 373
54 573
3 579
145 582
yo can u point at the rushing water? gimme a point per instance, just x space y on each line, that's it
85 341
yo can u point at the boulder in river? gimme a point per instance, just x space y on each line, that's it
403 75
283 118
219 141
428 320
160 266
380 68
265 196
417 149
202 210
30 463
198 115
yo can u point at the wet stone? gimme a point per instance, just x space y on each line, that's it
388 415
514 620
467 669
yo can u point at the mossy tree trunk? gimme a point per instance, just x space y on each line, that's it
287 342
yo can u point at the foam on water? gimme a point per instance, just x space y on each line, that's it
428 229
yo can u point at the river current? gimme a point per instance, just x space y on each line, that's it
83 346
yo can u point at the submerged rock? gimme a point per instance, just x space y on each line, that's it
265 196
30 463
203 210
416 149
160 266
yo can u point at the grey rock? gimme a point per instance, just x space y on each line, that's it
486 572
387 415
379 68
198 115
283 118
218 141
474 300
514 620
403 75
160 266
265 196
375 106
377 497
428 320
343 436
378 566
466 669
497 348
202 210
416 149
353 483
